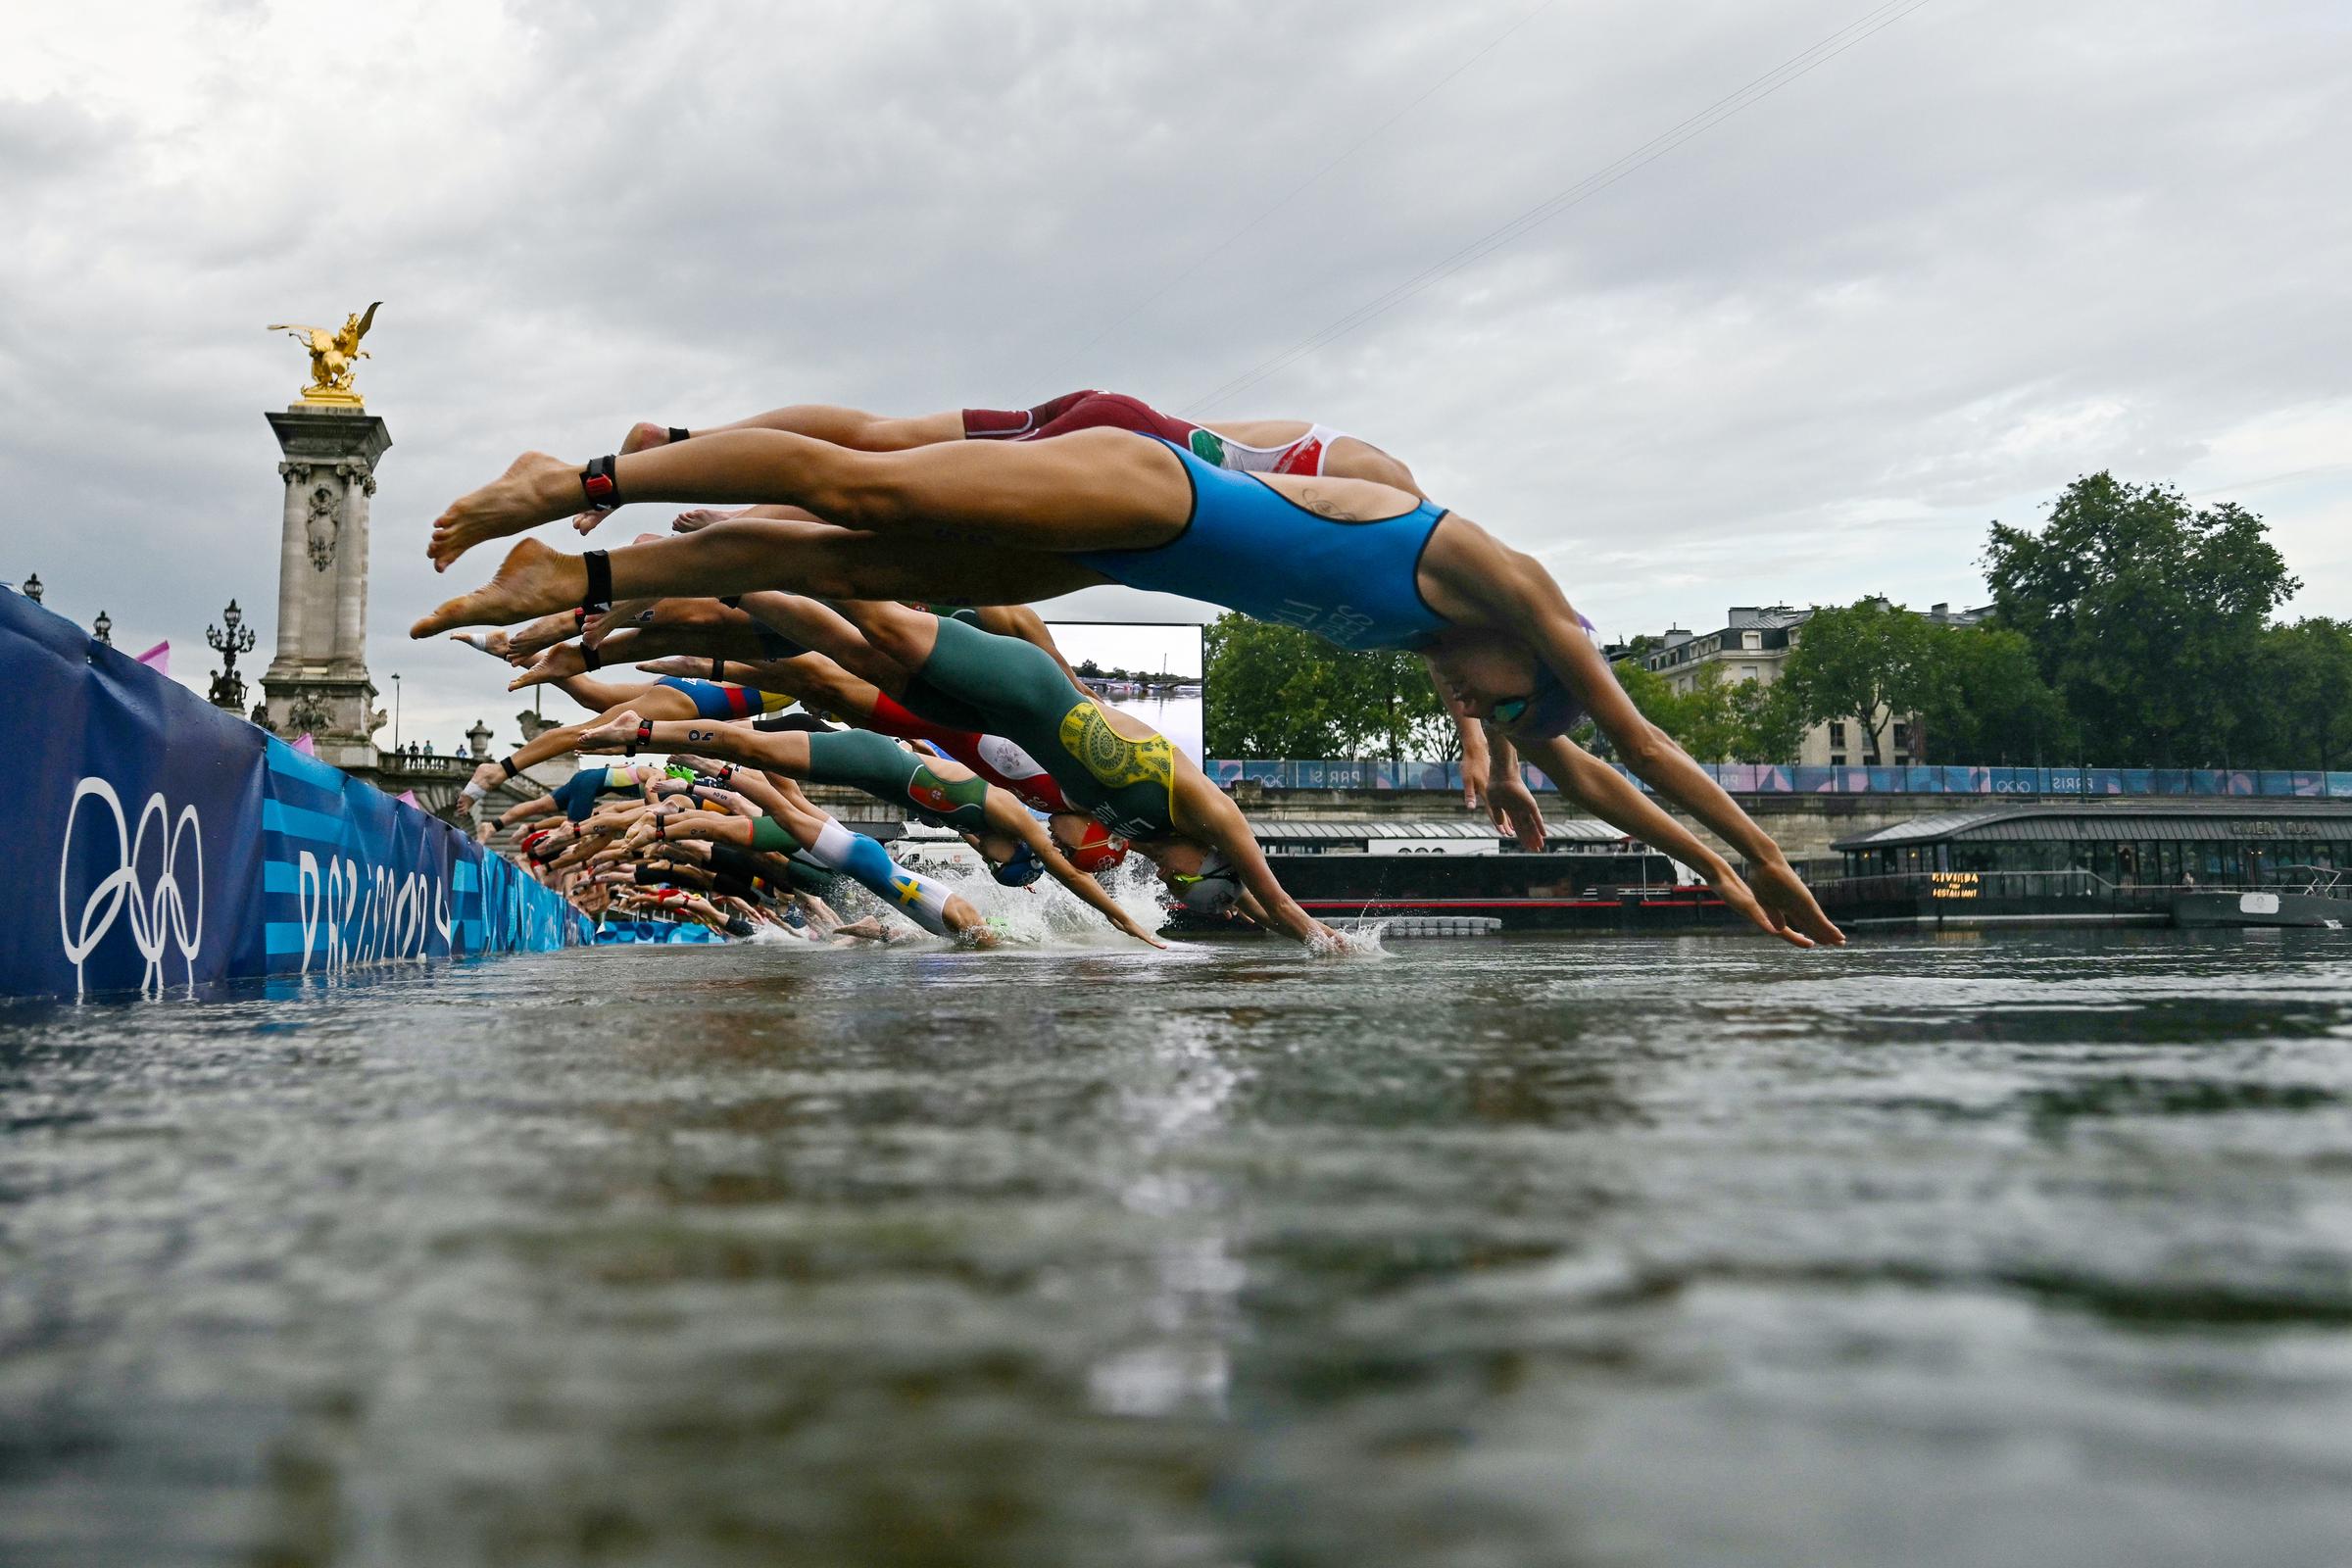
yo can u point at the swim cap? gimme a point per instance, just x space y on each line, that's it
1549 710
1099 849
1213 889
1022 870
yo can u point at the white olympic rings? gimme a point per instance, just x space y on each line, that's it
158 916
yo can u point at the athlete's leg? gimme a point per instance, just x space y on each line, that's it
741 557
654 702
1094 490
600 695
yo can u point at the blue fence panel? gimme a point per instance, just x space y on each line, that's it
1746 778
187 846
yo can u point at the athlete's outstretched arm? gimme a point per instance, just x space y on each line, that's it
1504 795
1010 817
1602 790
1205 813
1560 641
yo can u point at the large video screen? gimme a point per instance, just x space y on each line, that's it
1151 671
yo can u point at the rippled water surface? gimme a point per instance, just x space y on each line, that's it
2001 1251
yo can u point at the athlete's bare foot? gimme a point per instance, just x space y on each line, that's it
686 666
535 489
540 635
699 518
560 663
641 436
612 736
531 581
493 643
623 616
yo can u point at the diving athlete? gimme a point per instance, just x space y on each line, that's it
936 788
1361 564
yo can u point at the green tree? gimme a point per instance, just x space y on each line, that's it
1981 700
2299 709
2146 615
1274 690
1772 727
1867 662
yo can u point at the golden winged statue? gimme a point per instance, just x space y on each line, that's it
333 355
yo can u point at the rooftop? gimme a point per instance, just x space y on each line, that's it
2208 818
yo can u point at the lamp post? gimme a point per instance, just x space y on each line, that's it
228 687
478 738
396 710
33 589
103 628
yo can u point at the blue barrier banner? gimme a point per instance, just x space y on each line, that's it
1746 778
164 843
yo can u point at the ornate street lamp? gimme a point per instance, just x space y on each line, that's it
478 738
228 687
33 589
103 628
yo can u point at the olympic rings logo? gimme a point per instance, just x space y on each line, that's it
157 915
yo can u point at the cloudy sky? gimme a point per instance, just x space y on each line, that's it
1804 356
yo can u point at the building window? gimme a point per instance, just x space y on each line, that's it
1902 737
1748 672
1837 759
1751 639
1838 732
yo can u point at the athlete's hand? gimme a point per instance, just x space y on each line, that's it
1790 906
1512 808
1129 924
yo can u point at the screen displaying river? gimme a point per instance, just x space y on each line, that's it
1975 1250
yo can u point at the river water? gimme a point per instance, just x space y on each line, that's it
1992 1250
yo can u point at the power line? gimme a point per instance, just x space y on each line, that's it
2269 479
1287 196
1877 20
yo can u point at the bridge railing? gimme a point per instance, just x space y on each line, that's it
1746 779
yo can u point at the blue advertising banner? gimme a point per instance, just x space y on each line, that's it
163 843
1746 779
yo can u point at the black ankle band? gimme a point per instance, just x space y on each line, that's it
601 484
508 762
718 669
731 601
679 433
591 658
598 597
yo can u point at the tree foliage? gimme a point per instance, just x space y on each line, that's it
1867 662
2146 615
1276 691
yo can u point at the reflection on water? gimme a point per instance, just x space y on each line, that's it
1994 1251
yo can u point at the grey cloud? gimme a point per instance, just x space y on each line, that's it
1806 356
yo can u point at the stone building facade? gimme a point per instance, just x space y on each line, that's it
1755 644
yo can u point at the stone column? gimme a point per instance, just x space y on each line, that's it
297 479
318 681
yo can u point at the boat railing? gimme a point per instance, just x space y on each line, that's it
1959 886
